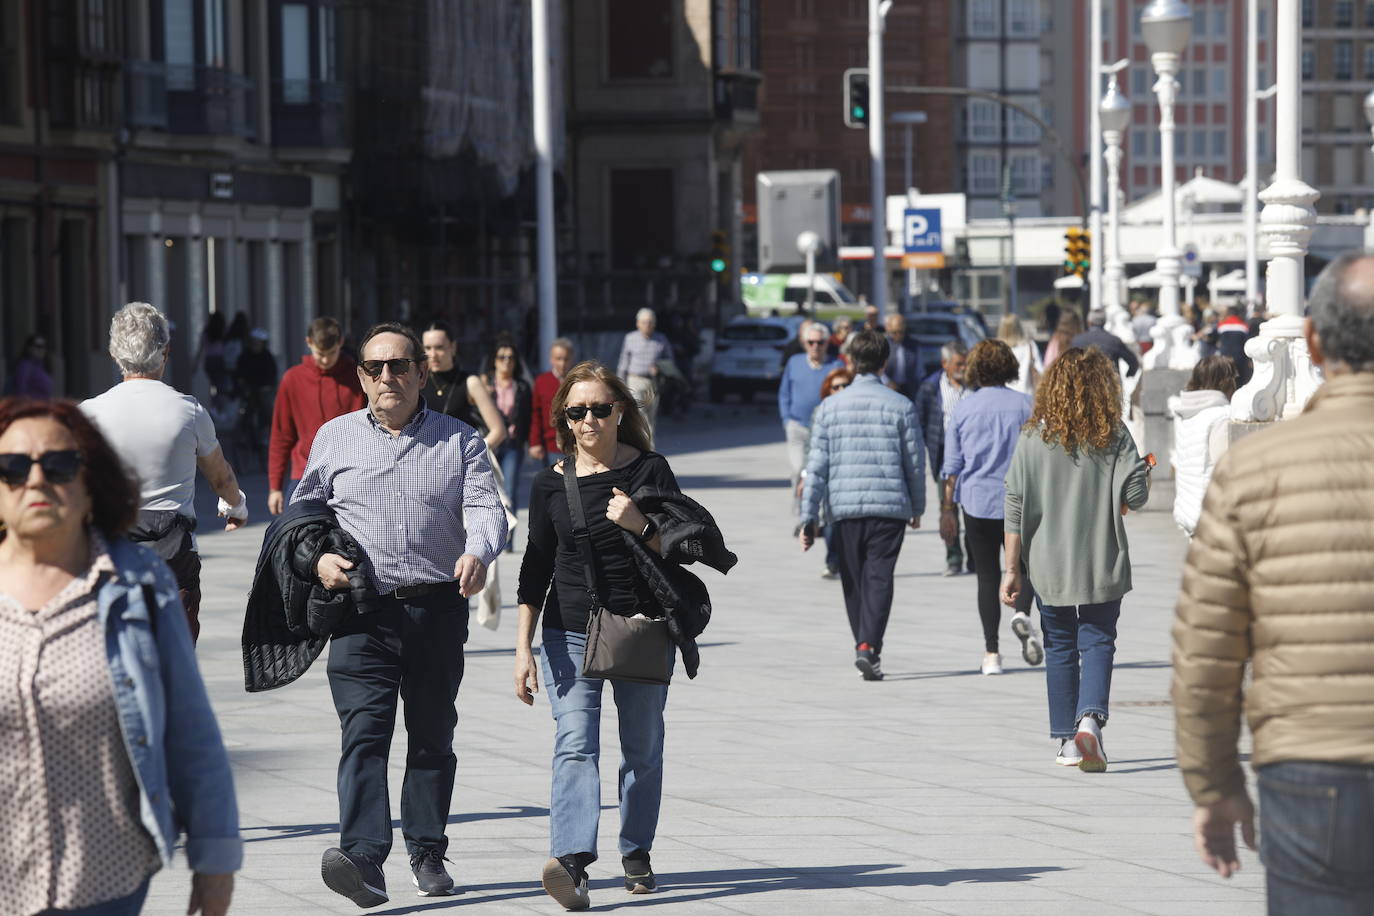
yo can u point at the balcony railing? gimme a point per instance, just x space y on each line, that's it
145 93
83 94
737 97
308 113
210 100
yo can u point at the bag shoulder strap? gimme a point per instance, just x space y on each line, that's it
581 533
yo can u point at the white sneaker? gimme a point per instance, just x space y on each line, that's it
1068 754
1030 643
992 663
1089 743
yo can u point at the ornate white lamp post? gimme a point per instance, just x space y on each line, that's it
1166 26
1115 114
1369 112
1284 377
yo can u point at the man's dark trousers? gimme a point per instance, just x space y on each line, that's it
414 648
868 557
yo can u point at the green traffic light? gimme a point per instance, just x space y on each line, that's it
858 113
718 265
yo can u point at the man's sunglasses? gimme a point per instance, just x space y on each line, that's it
58 467
398 367
578 412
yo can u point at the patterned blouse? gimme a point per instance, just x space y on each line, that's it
70 833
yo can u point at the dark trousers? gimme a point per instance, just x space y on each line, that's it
868 549
1317 837
414 648
985 538
186 567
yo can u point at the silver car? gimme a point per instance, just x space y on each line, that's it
748 356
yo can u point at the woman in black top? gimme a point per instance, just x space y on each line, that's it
612 459
453 391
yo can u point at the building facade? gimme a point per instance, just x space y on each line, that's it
1338 71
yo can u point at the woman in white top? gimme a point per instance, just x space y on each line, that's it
1202 414
1025 351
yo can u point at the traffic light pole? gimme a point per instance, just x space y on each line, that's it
543 172
877 9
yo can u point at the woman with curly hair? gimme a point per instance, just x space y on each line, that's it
979 441
1075 472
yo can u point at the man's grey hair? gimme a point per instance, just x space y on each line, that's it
563 343
953 348
139 335
1097 318
1343 314
645 313
819 326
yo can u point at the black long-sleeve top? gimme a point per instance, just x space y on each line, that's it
553 556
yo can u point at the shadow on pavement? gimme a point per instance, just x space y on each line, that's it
969 672
297 831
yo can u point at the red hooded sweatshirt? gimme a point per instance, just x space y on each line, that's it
307 399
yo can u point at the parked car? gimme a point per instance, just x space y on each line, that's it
932 330
748 356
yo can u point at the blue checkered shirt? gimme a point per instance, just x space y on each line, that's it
404 498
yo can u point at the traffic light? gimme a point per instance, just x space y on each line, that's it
1078 251
856 98
720 253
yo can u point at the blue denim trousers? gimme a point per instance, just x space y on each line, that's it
511 455
1317 838
575 802
1080 642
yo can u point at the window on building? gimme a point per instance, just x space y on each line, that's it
1154 143
803 9
983 173
1199 143
1343 57
1135 23
1138 139
984 121
1219 82
1199 23
1307 19
1180 143
804 55
1308 63
1140 82
642 217
1218 144
639 39
1343 165
1345 14
192 35
747 34
1262 22
1021 129
1261 146
1369 13
1023 18
1199 75
1309 118
1025 174
11 43
985 17
1219 22
1369 61
1343 111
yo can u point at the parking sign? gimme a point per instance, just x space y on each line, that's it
921 241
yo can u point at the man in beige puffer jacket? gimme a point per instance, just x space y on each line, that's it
1280 575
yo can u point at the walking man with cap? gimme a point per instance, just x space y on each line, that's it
401 479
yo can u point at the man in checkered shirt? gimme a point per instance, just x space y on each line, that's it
415 490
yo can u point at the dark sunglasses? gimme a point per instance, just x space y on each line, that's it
838 387
814 343
58 467
578 412
398 367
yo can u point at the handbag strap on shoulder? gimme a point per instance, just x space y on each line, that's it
581 533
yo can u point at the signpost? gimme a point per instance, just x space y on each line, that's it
922 244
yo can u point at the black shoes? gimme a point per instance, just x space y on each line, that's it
354 877
866 660
565 880
639 874
428 874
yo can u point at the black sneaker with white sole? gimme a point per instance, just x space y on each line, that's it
354 877
566 882
639 874
428 874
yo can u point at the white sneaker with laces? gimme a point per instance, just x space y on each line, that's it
992 663
1068 754
1089 743
1030 643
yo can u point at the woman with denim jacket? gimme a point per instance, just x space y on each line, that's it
114 750
606 438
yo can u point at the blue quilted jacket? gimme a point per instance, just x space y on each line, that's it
866 458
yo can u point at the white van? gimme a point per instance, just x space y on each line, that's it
762 293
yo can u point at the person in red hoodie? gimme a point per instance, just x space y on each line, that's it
543 437
324 386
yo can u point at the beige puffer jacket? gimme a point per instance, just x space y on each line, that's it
1281 575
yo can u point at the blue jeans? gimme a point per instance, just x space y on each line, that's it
131 905
1317 838
1080 643
575 804
511 455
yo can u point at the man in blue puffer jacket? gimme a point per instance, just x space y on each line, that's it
867 465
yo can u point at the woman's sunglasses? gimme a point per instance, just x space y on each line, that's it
841 386
398 367
58 467
579 412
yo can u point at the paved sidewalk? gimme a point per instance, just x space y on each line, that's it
791 785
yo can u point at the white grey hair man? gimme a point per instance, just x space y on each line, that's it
640 355
163 436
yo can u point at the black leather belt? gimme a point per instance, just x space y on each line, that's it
416 591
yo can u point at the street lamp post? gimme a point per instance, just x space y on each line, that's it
1369 113
1284 377
1166 26
1115 114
